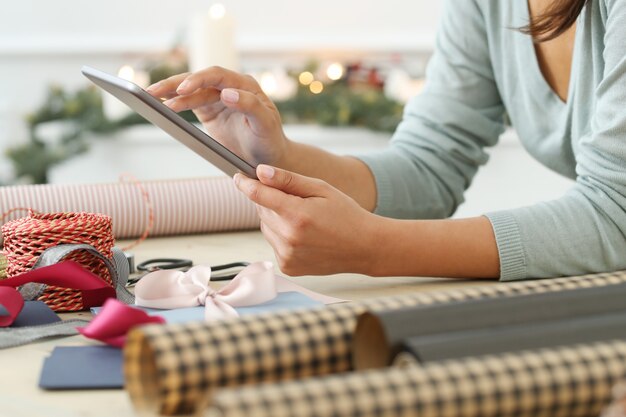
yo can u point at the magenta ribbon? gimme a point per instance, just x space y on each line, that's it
114 321
12 302
169 289
93 290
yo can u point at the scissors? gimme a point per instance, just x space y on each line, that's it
225 271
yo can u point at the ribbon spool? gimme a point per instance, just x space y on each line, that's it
26 238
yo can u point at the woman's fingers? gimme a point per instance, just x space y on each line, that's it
283 252
200 98
243 101
277 186
167 88
261 194
249 104
271 219
218 78
290 182
271 236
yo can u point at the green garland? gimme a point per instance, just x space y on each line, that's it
341 105
338 105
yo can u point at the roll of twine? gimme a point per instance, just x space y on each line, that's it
27 237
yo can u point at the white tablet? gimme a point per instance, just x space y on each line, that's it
171 122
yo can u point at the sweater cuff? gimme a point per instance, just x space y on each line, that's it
384 184
510 247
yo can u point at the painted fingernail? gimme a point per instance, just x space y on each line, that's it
266 171
153 86
232 96
183 86
237 178
169 103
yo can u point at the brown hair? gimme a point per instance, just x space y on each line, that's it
559 17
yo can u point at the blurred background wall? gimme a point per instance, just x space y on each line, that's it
46 42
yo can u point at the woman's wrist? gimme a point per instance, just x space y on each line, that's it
376 245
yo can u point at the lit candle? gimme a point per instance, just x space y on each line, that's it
278 85
211 40
335 71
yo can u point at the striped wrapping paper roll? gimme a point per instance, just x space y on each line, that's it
180 206
573 381
173 369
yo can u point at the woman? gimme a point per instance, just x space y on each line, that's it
561 80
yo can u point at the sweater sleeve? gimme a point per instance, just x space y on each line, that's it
585 230
438 147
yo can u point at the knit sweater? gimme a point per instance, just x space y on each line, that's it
485 72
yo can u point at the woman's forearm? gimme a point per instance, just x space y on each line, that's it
348 174
464 248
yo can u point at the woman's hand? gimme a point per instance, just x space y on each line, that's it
314 228
233 109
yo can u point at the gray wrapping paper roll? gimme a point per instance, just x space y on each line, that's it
174 369
573 381
514 338
477 327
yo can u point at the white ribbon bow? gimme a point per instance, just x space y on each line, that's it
168 289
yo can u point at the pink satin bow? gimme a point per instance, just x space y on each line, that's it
169 289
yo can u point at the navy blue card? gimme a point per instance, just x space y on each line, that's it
35 313
82 367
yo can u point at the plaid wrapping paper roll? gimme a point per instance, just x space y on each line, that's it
571 381
617 408
180 206
173 369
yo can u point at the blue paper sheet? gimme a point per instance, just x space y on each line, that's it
82 367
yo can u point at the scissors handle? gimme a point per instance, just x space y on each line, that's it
225 271
236 267
163 263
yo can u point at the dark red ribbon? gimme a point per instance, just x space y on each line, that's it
93 290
